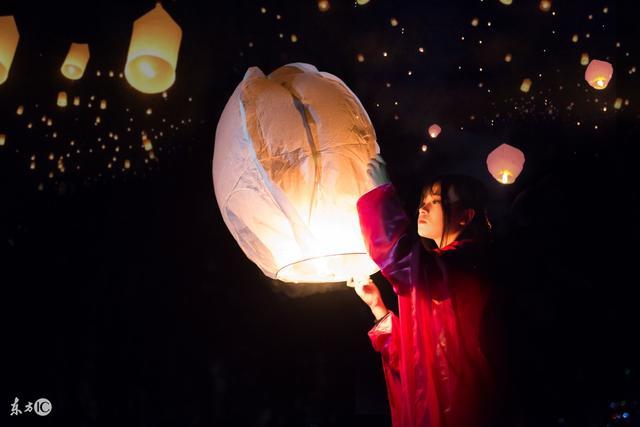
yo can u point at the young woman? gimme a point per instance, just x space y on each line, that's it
434 351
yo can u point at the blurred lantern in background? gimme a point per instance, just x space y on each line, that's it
323 5
507 57
76 61
20 110
617 104
434 130
153 52
545 5
525 85
506 2
76 100
289 164
62 99
505 163
584 59
3 139
9 37
598 74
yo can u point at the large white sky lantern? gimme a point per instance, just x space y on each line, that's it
9 37
153 52
598 74
289 165
505 163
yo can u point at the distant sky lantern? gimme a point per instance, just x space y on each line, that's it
505 163
598 74
103 104
3 139
288 169
360 57
617 104
324 5
475 22
153 52
506 2
545 5
434 130
394 22
525 85
584 59
9 37
76 100
62 99
507 57
574 38
362 2
20 110
76 61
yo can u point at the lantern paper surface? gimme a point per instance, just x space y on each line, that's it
505 163
9 37
153 52
434 130
598 74
76 61
289 165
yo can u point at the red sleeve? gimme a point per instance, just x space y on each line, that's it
385 229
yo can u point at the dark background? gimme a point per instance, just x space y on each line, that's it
126 300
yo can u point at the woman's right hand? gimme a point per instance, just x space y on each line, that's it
370 294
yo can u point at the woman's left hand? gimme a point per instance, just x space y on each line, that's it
377 171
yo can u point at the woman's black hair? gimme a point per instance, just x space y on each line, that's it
472 194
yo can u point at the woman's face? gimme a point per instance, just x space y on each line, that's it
430 215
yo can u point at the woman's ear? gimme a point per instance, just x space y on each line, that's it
467 216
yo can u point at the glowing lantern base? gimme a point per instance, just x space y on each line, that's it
151 74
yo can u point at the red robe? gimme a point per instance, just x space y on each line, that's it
436 372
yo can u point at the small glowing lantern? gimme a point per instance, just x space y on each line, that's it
153 52
20 110
474 22
3 139
434 130
505 163
62 99
506 2
598 74
584 59
507 57
76 100
103 104
574 38
525 85
76 61
362 2
323 5
617 104
146 143
9 37
289 164
424 148
545 5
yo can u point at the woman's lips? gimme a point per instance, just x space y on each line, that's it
422 221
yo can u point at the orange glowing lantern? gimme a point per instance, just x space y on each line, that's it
3 139
545 5
76 61
525 85
598 74
9 37
505 163
62 99
288 169
20 110
153 52
434 130
76 100
324 5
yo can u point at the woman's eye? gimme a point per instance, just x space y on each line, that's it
435 201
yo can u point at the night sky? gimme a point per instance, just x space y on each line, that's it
128 302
